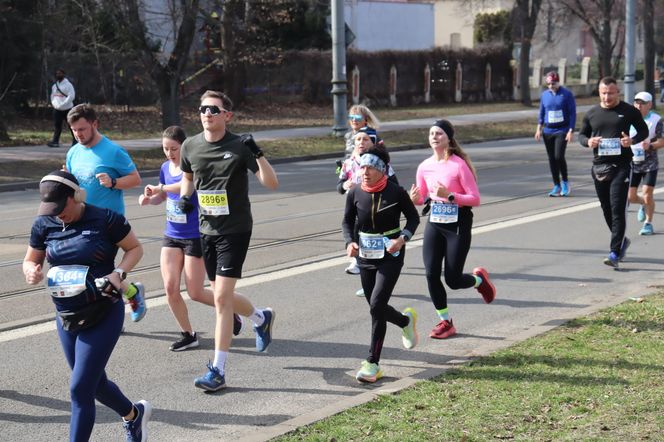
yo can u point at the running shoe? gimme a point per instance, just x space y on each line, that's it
237 324
264 331
555 191
53 144
188 341
137 303
443 330
353 268
409 335
623 250
565 189
646 229
641 214
612 260
369 372
360 293
212 381
137 430
486 288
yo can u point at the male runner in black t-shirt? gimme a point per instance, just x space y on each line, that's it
605 129
215 162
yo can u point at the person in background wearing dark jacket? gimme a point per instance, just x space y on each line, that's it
605 130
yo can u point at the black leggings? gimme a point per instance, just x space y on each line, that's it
451 242
612 194
555 149
378 284
60 117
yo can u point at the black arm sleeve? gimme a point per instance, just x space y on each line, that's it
409 211
585 132
340 186
350 217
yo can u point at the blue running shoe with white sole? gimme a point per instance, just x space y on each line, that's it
555 191
565 189
212 381
137 430
641 214
646 229
612 260
264 331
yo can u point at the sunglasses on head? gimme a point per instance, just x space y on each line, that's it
355 117
211 109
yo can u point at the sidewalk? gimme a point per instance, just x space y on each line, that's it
39 153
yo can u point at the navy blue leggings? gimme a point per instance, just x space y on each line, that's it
449 242
87 352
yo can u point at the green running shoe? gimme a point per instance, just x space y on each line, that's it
409 332
369 372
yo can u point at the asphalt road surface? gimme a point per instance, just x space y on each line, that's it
544 255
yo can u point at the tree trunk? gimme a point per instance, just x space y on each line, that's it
169 96
4 136
524 72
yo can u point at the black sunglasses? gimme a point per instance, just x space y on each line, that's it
214 110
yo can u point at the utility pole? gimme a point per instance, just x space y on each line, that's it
339 89
630 48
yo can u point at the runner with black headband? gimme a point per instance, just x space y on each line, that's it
376 206
447 185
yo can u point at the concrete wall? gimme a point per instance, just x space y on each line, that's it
390 25
458 17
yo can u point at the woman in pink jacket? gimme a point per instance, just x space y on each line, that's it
446 183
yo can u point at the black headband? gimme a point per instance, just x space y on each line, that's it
446 126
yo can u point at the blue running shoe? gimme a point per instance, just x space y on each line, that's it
137 303
212 381
555 191
264 331
137 430
646 229
641 214
625 245
564 188
612 260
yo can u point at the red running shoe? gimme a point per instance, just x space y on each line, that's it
486 289
443 330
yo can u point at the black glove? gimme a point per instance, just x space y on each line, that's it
427 206
185 204
249 141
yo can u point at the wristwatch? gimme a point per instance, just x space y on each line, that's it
450 197
113 183
122 273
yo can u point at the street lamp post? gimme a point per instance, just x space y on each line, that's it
339 89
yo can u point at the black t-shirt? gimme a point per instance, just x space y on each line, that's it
610 123
91 241
221 165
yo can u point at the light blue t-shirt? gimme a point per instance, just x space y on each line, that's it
106 156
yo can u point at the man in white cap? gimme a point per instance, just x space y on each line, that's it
645 162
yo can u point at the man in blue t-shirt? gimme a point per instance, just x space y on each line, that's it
557 118
104 169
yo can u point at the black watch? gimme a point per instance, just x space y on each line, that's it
113 183
450 197
122 273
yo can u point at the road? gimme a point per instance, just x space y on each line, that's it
545 256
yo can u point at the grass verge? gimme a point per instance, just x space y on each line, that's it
596 378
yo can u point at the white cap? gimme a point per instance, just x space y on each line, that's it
643 96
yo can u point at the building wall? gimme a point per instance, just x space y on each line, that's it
390 25
455 19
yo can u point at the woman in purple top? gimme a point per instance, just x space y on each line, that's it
181 247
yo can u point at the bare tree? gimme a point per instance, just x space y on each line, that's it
649 46
525 15
605 20
165 68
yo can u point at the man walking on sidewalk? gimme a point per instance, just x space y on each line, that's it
62 99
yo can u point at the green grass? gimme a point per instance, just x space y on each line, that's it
597 378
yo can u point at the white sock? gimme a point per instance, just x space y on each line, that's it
220 360
257 317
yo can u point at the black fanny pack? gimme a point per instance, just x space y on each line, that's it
85 317
604 172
